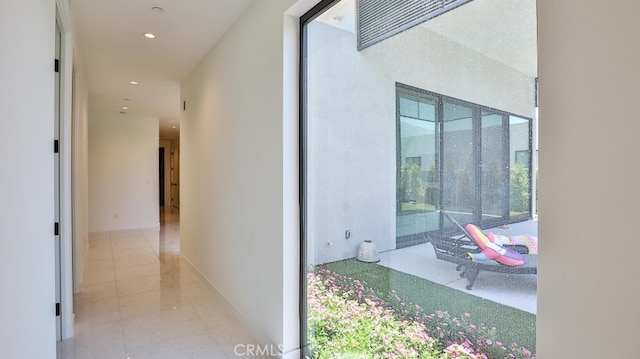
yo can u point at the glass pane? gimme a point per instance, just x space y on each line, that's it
458 179
493 168
393 137
418 178
409 108
520 166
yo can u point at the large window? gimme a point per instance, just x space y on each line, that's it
418 182
432 120
466 159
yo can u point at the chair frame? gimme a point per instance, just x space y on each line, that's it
455 248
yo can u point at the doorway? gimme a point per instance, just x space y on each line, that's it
175 177
161 176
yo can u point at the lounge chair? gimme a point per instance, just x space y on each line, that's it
462 248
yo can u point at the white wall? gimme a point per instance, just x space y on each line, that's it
27 308
234 170
588 79
589 200
123 172
352 124
80 174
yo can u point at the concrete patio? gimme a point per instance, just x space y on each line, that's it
517 291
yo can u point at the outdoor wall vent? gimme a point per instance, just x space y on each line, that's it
380 19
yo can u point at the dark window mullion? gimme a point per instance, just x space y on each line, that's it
440 157
532 176
399 95
477 158
506 162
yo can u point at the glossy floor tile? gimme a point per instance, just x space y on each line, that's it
139 301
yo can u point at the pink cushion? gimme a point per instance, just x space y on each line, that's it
494 251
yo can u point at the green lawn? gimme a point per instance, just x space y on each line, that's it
417 207
513 325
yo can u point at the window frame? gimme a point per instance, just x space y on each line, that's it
302 148
478 110
305 19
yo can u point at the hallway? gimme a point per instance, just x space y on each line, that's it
139 301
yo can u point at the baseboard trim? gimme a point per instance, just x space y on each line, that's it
260 337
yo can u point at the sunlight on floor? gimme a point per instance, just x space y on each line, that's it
139 302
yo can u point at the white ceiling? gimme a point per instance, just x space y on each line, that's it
113 51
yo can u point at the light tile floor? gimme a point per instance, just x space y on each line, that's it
138 301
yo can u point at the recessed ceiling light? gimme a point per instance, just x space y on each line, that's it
125 107
173 127
157 9
133 82
149 35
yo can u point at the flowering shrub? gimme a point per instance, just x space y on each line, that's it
348 320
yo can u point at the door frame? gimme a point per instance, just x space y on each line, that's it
175 176
63 19
161 176
56 183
